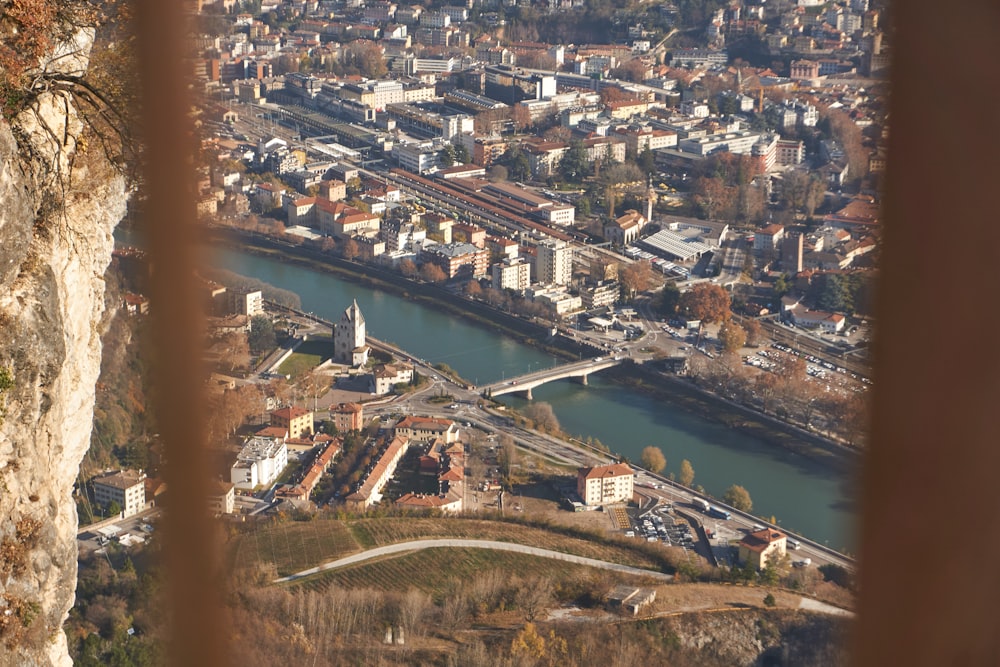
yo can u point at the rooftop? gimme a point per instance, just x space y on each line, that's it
122 479
613 470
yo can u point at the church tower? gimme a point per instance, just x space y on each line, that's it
349 346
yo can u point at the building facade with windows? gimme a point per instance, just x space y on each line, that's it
259 462
297 421
125 487
603 485
554 263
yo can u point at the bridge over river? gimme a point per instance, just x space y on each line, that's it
525 383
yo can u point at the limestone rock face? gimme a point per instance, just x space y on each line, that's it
59 203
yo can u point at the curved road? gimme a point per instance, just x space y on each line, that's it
405 547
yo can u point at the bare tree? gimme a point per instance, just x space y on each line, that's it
543 417
507 455
413 608
533 596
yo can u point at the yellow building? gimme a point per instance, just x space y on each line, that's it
298 421
762 546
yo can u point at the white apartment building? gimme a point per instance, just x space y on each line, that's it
557 298
554 263
249 303
125 487
419 158
602 485
790 152
259 462
434 20
559 214
375 94
512 273
695 108
734 142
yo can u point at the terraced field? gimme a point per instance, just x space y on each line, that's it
294 546
436 571
390 530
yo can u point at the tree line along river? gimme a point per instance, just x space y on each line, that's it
805 495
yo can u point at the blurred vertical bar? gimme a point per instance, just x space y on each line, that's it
930 530
190 561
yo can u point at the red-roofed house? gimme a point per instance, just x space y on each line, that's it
277 432
427 428
449 502
602 485
370 490
762 546
320 465
298 421
862 212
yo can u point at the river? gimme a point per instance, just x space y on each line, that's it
804 495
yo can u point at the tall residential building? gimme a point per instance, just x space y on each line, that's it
349 338
512 273
125 487
555 263
249 303
347 416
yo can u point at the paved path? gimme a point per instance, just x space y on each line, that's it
824 608
405 547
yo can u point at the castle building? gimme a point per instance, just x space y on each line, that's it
349 346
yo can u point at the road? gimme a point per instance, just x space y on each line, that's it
406 547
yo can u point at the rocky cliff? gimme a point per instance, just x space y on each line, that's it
59 202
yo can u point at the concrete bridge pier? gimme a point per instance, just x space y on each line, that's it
582 379
527 394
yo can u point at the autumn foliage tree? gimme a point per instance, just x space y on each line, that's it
408 268
732 336
473 289
105 95
738 497
706 302
432 273
653 459
686 474
753 330
634 278
349 249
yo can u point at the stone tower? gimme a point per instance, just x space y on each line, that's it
349 338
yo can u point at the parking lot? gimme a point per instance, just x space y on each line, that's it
662 525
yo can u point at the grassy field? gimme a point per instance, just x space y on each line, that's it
294 545
309 355
435 571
